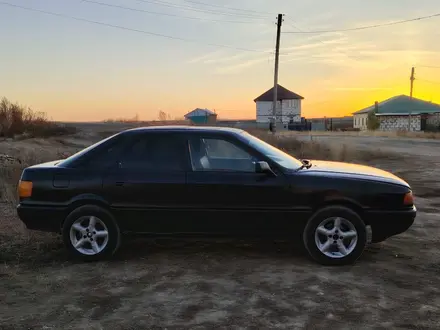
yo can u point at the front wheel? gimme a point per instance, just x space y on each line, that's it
91 233
335 235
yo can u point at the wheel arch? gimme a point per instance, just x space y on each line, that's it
335 199
85 199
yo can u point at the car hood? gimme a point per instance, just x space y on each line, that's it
349 170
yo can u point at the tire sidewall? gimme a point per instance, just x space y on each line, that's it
329 212
105 216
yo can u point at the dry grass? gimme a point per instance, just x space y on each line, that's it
110 127
17 120
321 151
394 134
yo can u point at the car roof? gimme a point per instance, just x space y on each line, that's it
182 128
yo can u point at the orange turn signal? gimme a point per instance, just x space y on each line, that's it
408 199
24 189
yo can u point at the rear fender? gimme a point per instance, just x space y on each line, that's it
86 199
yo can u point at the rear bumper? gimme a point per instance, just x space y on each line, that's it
41 218
385 224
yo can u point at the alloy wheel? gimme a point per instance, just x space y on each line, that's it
89 235
336 237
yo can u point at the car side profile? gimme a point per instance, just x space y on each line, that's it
211 182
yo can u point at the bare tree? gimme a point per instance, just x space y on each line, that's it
163 115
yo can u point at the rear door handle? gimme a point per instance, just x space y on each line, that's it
119 183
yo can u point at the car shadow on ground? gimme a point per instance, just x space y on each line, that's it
243 249
141 247
136 248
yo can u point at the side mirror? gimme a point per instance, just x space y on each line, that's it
263 167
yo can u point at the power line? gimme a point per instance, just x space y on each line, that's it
163 14
428 66
430 81
229 8
369 26
200 10
131 29
322 42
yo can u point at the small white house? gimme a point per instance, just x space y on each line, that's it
288 106
201 116
360 119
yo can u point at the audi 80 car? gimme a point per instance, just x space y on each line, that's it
211 182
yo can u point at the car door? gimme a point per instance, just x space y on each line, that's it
228 194
147 188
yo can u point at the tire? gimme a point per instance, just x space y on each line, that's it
323 230
95 232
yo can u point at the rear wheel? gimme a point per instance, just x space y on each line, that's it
335 235
91 233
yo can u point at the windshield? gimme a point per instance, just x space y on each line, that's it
280 157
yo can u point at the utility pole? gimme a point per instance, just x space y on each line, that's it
275 80
412 78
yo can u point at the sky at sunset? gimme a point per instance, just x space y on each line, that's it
79 71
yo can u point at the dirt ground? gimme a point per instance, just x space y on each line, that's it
230 284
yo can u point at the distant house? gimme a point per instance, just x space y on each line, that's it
202 117
394 112
288 106
360 118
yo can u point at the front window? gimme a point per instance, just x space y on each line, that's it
216 154
280 157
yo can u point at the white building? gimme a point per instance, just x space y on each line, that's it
288 106
360 119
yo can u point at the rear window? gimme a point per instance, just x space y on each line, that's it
156 152
100 148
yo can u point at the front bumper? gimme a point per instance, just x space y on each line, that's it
41 218
385 224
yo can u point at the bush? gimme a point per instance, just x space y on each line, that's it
372 121
432 128
18 120
320 151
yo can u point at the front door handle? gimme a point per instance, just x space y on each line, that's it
119 183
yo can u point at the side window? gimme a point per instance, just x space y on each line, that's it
216 148
155 153
216 154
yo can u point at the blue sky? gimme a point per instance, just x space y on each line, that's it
75 70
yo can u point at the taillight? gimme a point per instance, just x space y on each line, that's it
24 189
408 199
